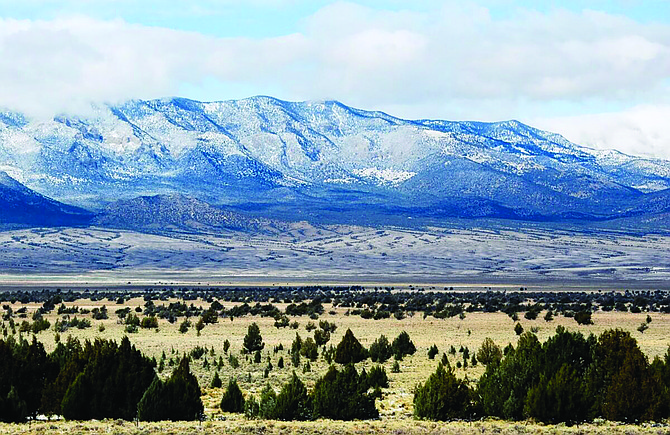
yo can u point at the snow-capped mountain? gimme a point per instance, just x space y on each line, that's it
22 206
313 159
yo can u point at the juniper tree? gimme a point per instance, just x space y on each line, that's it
232 400
253 341
350 350
443 397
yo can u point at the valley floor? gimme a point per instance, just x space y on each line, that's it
303 253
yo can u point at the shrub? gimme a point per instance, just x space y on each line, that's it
197 352
489 352
132 319
281 321
183 327
432 352
380 350
149 322
309 349
583 318
327 326
321 337
199 326
40 324
265 408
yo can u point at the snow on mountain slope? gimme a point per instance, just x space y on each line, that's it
267 151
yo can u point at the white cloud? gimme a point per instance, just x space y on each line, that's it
455 61
641 130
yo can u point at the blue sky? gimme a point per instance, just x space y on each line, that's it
595 71
258 19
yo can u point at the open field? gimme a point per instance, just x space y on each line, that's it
305 253
396 404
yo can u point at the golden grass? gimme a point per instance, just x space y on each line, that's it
268 427
395 407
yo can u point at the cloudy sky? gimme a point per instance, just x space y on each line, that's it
596 71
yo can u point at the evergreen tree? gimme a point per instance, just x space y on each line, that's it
176 399
403 346
111 384
253 341
504 387
350 350
266 408
232 400
12 408
342 395
443 397
216 381
378 377
618 378
292 401
151 406
561 399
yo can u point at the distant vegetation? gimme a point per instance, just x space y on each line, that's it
377 303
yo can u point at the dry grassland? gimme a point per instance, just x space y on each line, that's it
394 427
395 407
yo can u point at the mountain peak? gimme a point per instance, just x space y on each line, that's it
309 157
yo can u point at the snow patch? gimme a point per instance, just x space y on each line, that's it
385 176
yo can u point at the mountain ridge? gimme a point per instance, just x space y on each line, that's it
297 158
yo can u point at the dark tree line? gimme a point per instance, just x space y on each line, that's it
93 380
377 303
569 378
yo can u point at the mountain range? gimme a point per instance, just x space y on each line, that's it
234 163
